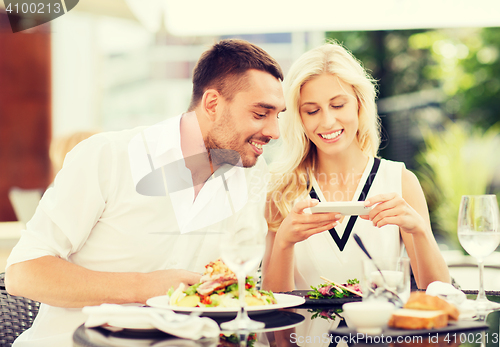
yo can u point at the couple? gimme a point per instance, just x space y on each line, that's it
131 213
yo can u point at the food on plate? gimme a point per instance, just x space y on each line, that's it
406 318
218 287
423 311
216 276
331 291
327 314
232 340
422 301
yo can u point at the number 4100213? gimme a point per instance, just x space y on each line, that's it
24 7
471 337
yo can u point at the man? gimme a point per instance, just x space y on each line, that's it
126 218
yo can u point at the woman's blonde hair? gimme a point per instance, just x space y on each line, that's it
290 175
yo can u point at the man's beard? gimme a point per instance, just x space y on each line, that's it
225 145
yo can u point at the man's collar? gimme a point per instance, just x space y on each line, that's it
169 141
169 138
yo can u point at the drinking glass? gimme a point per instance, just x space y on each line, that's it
242 251
479 235
396 272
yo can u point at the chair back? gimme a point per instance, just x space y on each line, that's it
16 314
24 202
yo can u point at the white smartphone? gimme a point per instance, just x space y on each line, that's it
346 208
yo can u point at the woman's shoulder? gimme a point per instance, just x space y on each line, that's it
398 170
389 175
391 164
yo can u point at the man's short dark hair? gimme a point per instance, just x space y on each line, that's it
223 66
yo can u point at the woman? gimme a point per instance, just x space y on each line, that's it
331 137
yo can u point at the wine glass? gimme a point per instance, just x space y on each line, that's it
479 235
242 251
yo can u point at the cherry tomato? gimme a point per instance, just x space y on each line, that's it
206 300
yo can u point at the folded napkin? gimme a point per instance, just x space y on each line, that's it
452 295
136 317
447 292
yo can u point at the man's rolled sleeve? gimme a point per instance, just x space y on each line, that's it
71 207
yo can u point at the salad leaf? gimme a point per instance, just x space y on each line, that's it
231 288
326 291
265 292
192 289
249 283
329 315
316 294
170 291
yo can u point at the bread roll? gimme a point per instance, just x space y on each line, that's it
422 301
418 319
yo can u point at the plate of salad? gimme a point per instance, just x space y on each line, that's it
330 294
217 295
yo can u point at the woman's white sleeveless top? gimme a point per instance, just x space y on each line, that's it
320 255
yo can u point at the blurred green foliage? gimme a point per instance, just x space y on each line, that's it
464 63
459 161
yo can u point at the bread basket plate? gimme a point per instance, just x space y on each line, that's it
283 300
312 302
453 326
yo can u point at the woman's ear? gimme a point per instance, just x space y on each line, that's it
210 102
358 102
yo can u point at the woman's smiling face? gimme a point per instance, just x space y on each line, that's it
329 111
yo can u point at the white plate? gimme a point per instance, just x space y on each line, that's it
284 301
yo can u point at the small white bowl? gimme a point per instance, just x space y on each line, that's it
368 317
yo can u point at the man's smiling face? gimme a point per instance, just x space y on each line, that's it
248 121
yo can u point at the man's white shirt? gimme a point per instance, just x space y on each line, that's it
94 217
158 169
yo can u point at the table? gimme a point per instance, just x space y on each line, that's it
306 325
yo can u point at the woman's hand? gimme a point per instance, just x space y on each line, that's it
411 214
298 225
278 264
391 208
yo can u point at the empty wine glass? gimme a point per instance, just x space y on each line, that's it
242 251
479 235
